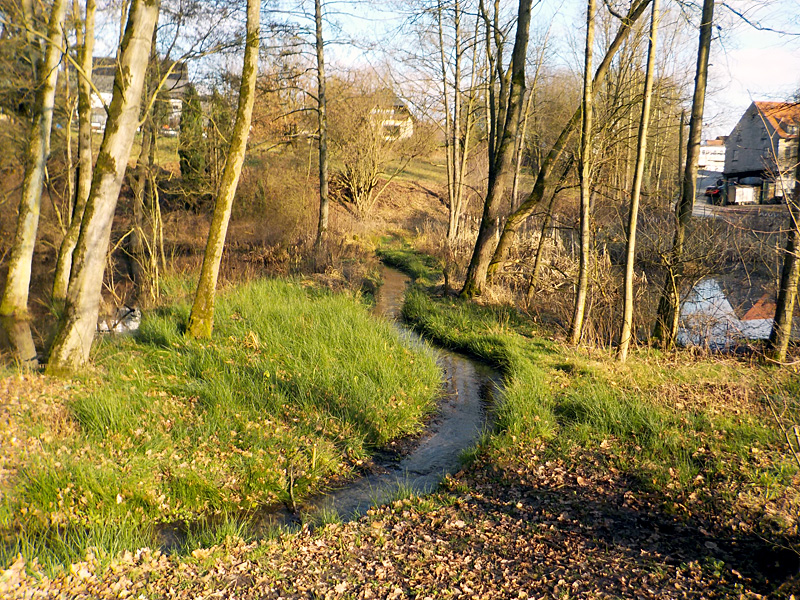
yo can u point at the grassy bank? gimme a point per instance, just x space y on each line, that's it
295 388
690 429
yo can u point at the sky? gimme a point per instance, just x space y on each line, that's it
749 65
746 64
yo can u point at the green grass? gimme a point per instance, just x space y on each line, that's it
638 412
422 267
296 386
429 170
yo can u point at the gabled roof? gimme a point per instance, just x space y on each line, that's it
783 116
763 309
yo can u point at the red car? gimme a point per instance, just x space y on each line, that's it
714 194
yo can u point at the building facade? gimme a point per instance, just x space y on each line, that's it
761 151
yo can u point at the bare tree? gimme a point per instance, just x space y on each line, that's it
781 333
666 327
633 211
505 116
322 115
14 305
585 169
201 320
85 37
76 327
543 186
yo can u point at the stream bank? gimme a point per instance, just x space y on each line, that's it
418 464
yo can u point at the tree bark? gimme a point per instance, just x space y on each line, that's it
142 186
476 273
14 316
78 322
543 179
633 216
781 333
83 181
576 329
322 114
201 320
666 327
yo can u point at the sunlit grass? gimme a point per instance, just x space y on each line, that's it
295 387
665 423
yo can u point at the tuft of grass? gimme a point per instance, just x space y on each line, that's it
295 387
422 267
667 425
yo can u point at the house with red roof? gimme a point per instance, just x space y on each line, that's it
761 151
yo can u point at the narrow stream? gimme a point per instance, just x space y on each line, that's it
457 425
411 465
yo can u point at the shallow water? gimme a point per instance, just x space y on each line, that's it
459 421
411 465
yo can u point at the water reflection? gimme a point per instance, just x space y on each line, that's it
708 319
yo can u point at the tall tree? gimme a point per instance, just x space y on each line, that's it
77 324
585 169
781 332
201 320
633 211
85 38
548 173
501 154
322 119
14 317
666 327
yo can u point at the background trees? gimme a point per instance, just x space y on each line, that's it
496 153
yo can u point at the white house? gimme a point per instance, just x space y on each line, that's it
712 155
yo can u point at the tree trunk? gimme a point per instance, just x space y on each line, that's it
543 179
201 320
78 323
666 327
781 333
322 114
14 317
449 137
476 273
576 329
633 216
84 175
142 184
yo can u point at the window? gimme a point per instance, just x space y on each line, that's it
735 156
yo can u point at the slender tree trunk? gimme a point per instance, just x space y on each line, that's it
201 320
449 137
476 273
322 114
666 327
519 150
633 216
83 182
14 317
681 149
142 184
78 322
781 333
543 179
458 150
576 329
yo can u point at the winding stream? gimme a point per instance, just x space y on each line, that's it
456 426
415 465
